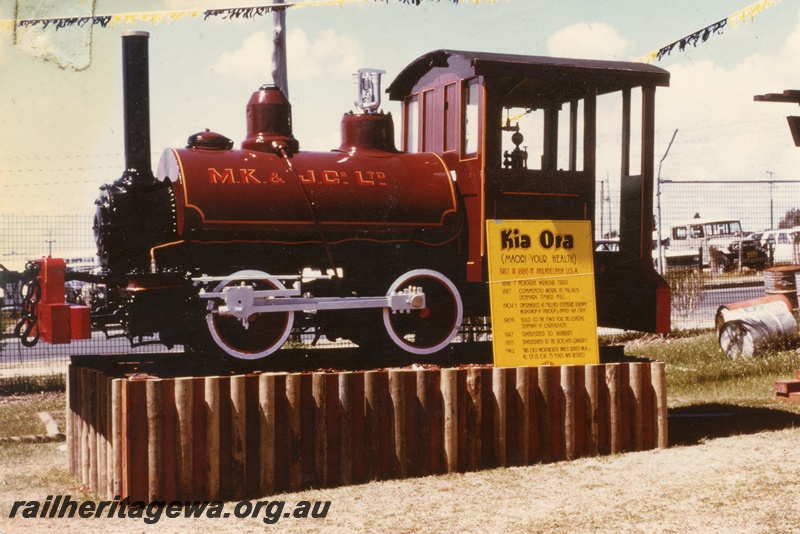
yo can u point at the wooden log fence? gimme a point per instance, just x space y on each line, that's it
246 436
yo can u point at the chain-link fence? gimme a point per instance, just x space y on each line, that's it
718 240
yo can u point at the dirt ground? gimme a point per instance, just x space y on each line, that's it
746 483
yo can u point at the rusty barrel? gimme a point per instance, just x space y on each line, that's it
782 281
745 327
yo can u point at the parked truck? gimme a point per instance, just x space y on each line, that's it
715 243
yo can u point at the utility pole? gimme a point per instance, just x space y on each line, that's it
771 187
50 242
279 72
602 205
658 194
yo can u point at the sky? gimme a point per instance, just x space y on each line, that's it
61 120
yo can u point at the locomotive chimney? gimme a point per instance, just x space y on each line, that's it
136 103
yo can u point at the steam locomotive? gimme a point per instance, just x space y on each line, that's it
231 248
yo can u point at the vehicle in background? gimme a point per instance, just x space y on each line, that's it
782 246
756 236
715 243
609 244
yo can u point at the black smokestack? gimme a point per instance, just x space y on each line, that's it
136 102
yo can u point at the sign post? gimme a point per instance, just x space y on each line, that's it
541 278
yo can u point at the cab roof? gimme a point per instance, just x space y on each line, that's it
531 73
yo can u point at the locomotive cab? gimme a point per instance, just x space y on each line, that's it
521 135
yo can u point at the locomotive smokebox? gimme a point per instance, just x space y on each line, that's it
136 103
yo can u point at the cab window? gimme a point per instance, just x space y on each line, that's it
412 124
469 137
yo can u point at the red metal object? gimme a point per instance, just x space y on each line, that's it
59 322
54 324
51 274
80 322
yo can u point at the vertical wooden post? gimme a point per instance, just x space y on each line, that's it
543 402
614 405
293 398
318 387
78 422
500 407
266 406
461 420
625 409
109 439
397 391
556 411
254 436
533 417
332 418
307 432
637 393
93 408
580 410
551 425
474 409
116 435
358 424
346 415
648 408
136 440
659 379
425 416
592 415
238 418
450 410
521 424
411 424
71 387
183 450
102 435
568 389
155 440
378 427
211 459
85 462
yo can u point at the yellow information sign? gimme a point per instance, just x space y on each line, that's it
541 280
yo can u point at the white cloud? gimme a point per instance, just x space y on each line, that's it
724 127
330 54
256 49
596 40
725 135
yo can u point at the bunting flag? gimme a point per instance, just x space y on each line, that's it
734 20
158 17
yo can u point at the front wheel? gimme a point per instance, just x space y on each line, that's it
723 264
265 332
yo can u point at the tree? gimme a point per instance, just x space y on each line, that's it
791 219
